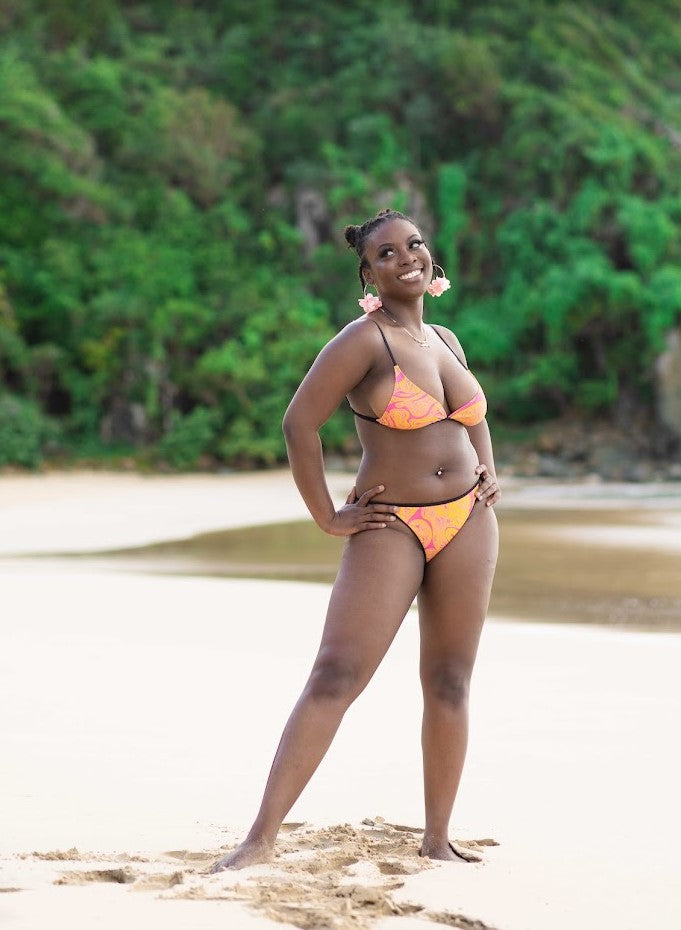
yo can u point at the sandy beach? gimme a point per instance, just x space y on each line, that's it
139 715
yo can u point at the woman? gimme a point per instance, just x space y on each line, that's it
419 522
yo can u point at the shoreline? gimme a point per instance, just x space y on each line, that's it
90 511
140 713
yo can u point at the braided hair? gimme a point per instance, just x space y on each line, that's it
356 236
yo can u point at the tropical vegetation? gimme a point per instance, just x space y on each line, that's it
175 177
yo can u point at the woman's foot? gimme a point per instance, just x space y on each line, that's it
446 850
250 852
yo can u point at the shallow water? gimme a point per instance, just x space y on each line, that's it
614 567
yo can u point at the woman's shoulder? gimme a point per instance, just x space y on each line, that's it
447 334
450 338
361 333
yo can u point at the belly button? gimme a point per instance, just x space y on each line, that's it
438 472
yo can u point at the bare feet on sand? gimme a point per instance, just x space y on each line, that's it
446 850
250 852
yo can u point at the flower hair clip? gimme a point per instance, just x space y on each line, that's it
439 284
369 302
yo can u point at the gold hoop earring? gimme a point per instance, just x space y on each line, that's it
440 282
369 302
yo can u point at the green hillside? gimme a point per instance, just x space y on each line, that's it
175 176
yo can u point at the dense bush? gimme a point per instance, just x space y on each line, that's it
25 432
174 178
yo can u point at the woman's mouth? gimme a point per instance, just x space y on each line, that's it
410 275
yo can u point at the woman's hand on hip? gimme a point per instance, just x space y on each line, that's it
488 490
360 514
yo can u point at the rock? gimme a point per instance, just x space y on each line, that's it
668 372
527 464
639 471
415 203
123 422
550 466
312 218
549 443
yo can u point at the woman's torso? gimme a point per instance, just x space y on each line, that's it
416 465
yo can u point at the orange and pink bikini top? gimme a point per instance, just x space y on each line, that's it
410 407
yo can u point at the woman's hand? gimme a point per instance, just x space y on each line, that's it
358 514
488 489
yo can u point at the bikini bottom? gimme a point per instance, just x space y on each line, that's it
436 524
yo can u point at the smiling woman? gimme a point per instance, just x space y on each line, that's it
426 483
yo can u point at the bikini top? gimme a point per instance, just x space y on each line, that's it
410 407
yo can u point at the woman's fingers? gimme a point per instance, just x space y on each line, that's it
377 508
364 499
376 519
375 516
360 514
488 489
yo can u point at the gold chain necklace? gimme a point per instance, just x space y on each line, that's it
423 343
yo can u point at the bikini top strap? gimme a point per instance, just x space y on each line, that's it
392 357
449 347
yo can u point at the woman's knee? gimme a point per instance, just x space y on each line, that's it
447 681
335 678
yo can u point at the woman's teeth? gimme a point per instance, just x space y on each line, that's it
409 275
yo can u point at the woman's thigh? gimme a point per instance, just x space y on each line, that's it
455 592
378 578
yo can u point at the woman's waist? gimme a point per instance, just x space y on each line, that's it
404 484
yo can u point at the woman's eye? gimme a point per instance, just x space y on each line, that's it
384 253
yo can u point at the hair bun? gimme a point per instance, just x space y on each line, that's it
351 234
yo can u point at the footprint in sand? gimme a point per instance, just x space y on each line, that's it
158 882
396 867
116 876
186 855
343 876
56 855
459 921
291 826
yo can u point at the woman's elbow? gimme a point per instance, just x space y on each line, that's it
288 425
293 424
288 422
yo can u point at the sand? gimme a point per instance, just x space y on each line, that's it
139 716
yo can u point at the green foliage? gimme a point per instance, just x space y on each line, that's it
25 432
451 205
189 437
174 179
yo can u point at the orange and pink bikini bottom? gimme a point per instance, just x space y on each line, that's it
436 524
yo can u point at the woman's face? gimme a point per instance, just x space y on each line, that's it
398 260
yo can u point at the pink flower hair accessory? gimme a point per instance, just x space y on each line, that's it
439 284
369 302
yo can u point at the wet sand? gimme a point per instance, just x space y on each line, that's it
139 715
586 553
613 567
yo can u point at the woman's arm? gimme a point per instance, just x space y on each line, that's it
339 367
482 443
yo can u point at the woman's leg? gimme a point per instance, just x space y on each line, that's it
452 606
379 575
